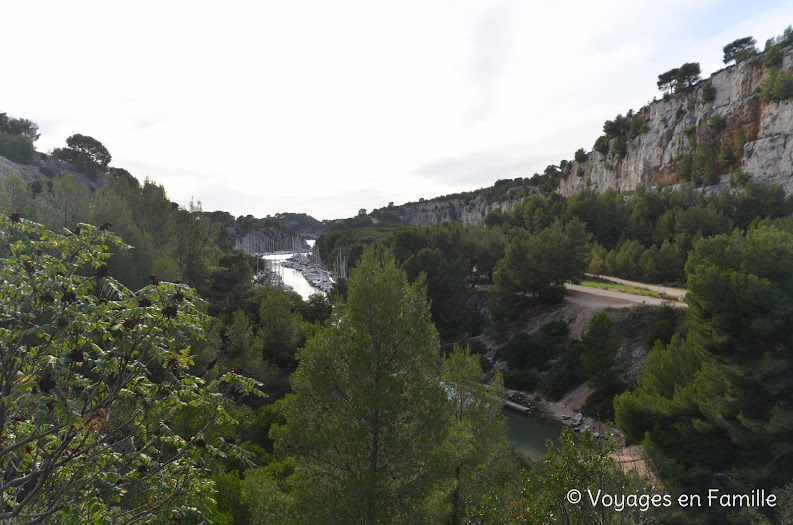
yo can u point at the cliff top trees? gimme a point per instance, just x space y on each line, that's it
740 50
666 81
680 78
19 126
86 152
90 147
93 384
687 76
17 136
368 418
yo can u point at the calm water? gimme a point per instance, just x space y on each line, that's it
529 434
291 276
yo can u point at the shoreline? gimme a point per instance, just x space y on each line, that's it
566 412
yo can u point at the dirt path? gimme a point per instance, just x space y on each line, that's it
595 298
674 292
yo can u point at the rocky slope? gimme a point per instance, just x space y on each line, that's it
46 168
652 158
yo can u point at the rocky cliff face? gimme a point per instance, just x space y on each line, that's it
653 157
470 211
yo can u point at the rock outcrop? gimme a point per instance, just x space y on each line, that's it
47 167
676 124
470 211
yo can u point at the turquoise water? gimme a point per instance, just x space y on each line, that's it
530 434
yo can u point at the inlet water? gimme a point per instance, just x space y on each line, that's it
530 434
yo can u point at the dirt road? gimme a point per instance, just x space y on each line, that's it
593 297
672 292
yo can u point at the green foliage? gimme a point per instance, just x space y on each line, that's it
727 157
683 170
368 387
777 85
740 50
17 148
602 341
123 174
638 126
192 249
716 123
708 92
63 204
580 156
687 76
536 350
664 326
452 258
595 264
281 330
94 385
691 134
704 165
617 127
19 126
666 81
521 380
739 178
91 148
538 266
483 457
620 148
582 463
15 196
602 145
773 56
714 405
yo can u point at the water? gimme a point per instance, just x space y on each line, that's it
291 276
529 434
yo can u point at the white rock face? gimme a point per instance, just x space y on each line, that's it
469 212
651 157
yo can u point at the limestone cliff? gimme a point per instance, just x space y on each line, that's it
469 211
675 126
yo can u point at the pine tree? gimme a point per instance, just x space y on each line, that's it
368 420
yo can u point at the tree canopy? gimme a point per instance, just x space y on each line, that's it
740 50
89 146
94 386
716 404
368 388
538 266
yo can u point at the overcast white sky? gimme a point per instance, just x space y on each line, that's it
329 106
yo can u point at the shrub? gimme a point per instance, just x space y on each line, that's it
777 85
97 375
739 178
602 145
716 123
520 380
17 148
620 148
726 155
773 56
580 156
708 92
683 168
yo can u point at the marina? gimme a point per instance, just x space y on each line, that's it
293 271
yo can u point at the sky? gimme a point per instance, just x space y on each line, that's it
329 106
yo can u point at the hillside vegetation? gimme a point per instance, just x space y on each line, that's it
146 378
